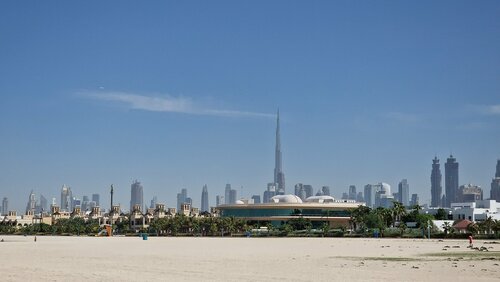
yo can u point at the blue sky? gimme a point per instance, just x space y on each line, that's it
182 94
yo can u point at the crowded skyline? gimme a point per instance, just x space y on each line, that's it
178 95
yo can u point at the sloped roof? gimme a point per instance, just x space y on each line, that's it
462 224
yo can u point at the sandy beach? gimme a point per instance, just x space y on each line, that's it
244 259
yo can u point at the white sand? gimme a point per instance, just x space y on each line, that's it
242 259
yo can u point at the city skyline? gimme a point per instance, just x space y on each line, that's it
177 97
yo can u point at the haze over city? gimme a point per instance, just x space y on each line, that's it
179 95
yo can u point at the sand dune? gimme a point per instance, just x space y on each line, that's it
244 259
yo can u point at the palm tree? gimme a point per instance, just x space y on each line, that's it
472 228
496 226
398 210
446 227
358 216
488 224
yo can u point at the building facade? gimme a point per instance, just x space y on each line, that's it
66 198
136 195
436 188
495 184
451 180
404 192
5 206
204 199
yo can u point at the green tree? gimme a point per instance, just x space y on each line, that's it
441 214
398 211
473 228
446 227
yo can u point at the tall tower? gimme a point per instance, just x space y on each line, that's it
436 188
495 184
204 199
5 206
31 203
66 198
136 195
279 176
451 180
404 192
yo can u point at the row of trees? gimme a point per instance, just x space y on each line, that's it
176 225
198 226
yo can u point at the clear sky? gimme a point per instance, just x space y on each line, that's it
178 94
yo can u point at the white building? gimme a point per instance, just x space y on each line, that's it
476 211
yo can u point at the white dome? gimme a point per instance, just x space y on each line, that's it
239 202
386 188
292 199
320 199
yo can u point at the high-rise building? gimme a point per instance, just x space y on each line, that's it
181 198
345 196
31 205
44 205
256 199
414 200
66 198
5 206
204 199
469 193
451 180
85 203
404 192
219 200
352 192
359 197
154 201
436 188
495 184
233 196
369 193
325 190
95 198
136 195
279 176
309 190
269 193
227 196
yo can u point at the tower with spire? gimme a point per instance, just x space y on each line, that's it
436 188
279 176
495 184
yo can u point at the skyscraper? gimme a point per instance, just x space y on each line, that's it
204 199
451 180
495 184
153 202
325 190
269 193
279 176
182 198
44 207
404 192
436 188
136 195
5 206
233 196
256 199
31 205
95 198
219 200
66 198
227 192
352 192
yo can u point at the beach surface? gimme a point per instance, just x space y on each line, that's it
53 258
